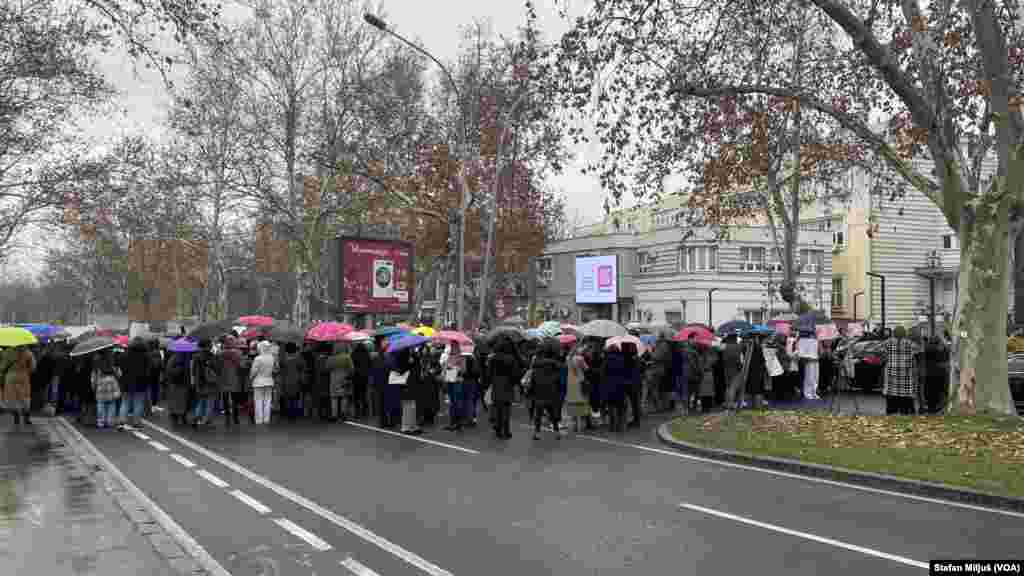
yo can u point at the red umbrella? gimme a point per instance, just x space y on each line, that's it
328 331
703 334
254 333
453 336
256 321
121 341
104 332
567 339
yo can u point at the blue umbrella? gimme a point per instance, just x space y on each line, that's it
739 327
41 331
649 340
388 331
535 334
406 341
183 345
762 330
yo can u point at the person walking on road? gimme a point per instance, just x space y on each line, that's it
452 364
504 376
232 383
16 369
293 373
261 379
204 384
106 385
546 391
577 407
135 382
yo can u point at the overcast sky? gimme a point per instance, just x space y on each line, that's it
436 24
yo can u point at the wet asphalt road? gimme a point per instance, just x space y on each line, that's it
611 504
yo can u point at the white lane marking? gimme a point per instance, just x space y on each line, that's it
179 534
303 534
416 438
825 481
336 519
806 536
140 436
159 446
251 502
357 568
183 461
212 479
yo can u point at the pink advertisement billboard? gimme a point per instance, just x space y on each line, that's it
377 276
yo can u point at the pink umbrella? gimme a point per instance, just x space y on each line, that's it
328 331
826 332
453 336
781 327
570 329
854 330
121 341
567 339
616 342
355 336
703 334
256 321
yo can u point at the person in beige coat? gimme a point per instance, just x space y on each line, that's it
17 367
577 407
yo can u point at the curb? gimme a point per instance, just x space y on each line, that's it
868 479
184 555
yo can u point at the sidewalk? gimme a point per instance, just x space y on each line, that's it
54 517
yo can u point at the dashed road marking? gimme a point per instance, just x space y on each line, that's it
338 520
183 461
303 534
159 446
212 479
140 436
806 536
357 568
251 502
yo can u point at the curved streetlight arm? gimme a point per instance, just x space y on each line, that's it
383 27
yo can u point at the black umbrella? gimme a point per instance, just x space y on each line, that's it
93 344
212 330
510 332
286 333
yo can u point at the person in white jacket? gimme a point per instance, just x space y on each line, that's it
261 378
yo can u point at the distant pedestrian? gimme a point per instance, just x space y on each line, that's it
232 383
504 375
577 407
709 367
135 382
106 385
901 381
807 348
16 368
546 392
452 364
261 379
340 368
293 374
405 377
205 384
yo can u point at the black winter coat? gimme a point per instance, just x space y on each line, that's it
136 370
504 374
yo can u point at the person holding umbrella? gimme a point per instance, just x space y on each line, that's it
135 367
231 381
261 379
453 364
504 375
547 393
17 366
106 385
177 378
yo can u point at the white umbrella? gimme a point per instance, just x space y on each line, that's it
603 329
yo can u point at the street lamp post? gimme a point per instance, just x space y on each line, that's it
710 292
459 150
882 278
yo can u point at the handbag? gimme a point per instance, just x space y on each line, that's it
771 360
527 380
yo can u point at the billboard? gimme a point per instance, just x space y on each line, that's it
377 276
597 279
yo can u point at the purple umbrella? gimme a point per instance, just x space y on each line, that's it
407 341
183 345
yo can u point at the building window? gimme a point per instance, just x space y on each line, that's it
545 271
673 318
449 317
811 260
838 293
698 259
752 259
754 316
838 239
950 242
643 262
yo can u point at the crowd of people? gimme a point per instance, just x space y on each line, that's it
583 383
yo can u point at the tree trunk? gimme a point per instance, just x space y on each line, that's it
442 310
222 292
1018 279
983 385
